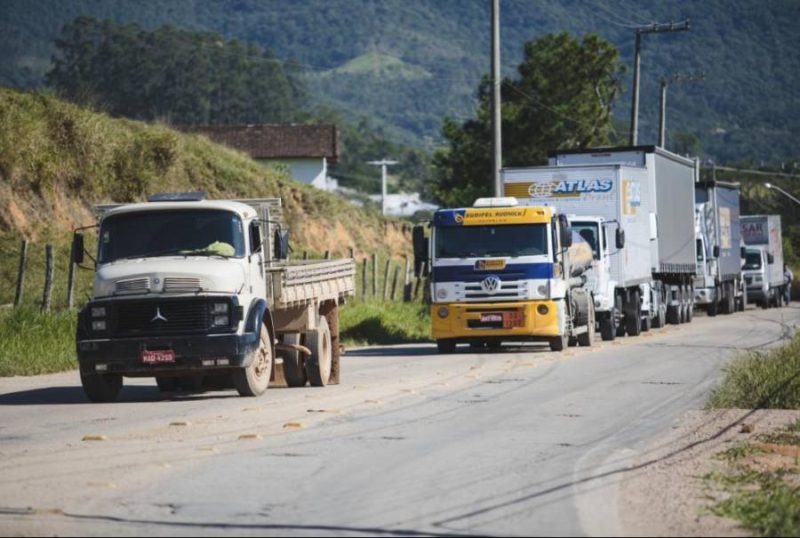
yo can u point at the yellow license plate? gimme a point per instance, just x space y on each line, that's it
490 265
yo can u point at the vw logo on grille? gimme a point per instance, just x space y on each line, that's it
158 316
491 284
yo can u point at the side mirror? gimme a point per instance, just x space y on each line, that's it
715 253
565 231
77 248
770 258
620 238
281 244
421 247
744 252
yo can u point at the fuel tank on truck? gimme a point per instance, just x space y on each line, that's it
580 255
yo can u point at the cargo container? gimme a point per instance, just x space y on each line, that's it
763 267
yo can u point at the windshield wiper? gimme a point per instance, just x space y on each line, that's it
150 254
204 252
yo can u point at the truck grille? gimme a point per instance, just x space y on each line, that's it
174 283
133 285
510 290
164 317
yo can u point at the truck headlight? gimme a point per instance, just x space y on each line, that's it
221 321
441 294
219 308
98 311
542 290
98 325
443 312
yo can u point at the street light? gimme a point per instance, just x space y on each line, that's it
780 190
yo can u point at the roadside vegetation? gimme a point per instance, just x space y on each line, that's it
32 342
384 323
762 380
760 483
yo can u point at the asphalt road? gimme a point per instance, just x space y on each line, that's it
522 442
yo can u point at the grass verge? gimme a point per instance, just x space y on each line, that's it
36 343
762 380
761 482
383 323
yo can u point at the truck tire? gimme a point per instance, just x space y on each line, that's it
619 321
446 347
689 297
647 322
101 388
318 365
293 362
727 299
587 339
166 383
608 329
713 307
633 315
673 315
559 343
254 380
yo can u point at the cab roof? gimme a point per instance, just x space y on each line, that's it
241 209
482 216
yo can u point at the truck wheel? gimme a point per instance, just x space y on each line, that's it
101 387
633 315
689 306
558 343
673 315
254 380
446 347
647 322
608 331
727 295
713 306
318 365
294 363
660 321
167 384
587 339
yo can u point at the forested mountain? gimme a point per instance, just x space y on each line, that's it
407 65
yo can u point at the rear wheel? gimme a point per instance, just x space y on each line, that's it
318 365
254 380
608 327
293 362
558 343
446 347
647 322
713 306
633 315
101 387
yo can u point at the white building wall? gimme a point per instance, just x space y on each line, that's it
311 171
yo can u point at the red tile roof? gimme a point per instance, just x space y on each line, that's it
274 141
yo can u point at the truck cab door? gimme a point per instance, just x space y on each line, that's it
257 278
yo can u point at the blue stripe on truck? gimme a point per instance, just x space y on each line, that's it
467 273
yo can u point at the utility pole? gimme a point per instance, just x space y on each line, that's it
641 30
662 118
497 126
383 164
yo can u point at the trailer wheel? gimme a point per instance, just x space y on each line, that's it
660 320
318 365
254 380
608 329
587 339
293 362
101 387
633 315
559 343
446 347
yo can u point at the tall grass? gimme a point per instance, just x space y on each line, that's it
383 323
762 380
32 342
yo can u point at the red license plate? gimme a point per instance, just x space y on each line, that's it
513 319
161 356
491 318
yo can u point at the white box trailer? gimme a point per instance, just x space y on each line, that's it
671 179
765 281
599 200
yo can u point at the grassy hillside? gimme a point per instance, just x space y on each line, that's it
747 107
57 160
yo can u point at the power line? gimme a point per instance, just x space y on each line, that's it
758 172
553 110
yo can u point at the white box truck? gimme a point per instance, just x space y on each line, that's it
763 267
607 204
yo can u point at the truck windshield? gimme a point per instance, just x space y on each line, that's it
753 260
491 241
589 232
169 233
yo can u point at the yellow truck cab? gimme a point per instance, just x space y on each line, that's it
503 272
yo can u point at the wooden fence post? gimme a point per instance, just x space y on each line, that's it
419 281
23 257
386 278
71 277
407 282
352 253
47 297
305 254
364 280
394 282
374 276
327 254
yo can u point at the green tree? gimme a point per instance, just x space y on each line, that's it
561 99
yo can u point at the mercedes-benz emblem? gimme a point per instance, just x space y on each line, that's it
491 284
158 316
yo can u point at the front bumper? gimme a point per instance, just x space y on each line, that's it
705 296
464 320
192 354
